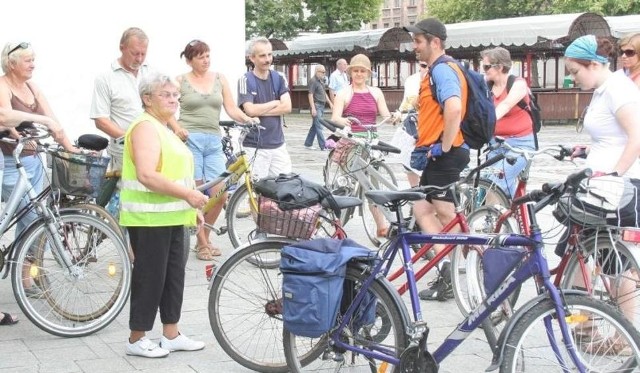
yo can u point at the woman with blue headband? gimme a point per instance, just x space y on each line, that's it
613 116
613 122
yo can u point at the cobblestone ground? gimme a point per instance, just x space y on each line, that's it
28 349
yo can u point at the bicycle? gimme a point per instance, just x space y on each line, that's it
360 168
245 298
482 220
245 294
554 324
587 245
80 264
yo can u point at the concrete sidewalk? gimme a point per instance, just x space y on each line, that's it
25 348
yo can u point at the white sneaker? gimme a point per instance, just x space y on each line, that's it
145 348
181 343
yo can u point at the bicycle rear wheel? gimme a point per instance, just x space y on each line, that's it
387 333
612 270
80 299
338 180
603 339
245 306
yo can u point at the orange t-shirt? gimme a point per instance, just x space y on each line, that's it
430 117
517 122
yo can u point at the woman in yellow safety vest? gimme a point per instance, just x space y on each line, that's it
158 200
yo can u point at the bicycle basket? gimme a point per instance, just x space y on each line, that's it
346 151
300 223
78 174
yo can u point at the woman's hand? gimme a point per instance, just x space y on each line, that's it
196 199
579 151
182 133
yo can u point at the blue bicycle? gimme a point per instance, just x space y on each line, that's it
559 330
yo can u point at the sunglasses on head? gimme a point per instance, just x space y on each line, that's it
628 52
423 65
23 45
194 42
487 67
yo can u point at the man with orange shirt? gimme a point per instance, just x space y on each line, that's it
439 128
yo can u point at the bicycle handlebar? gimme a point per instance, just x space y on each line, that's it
559 152
384 147
551 192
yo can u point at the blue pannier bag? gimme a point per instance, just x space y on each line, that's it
313 275
498 263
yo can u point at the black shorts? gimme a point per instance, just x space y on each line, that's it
445 170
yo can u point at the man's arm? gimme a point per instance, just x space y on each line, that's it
452 114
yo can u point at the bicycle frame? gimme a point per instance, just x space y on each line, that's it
230 177
534 265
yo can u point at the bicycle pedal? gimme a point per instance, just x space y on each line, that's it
222 230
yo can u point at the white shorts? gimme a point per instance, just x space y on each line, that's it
269 162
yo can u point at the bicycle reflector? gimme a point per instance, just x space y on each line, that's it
631 235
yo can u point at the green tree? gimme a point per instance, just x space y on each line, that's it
284 19
281 19
334 16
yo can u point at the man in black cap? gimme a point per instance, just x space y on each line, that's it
439 129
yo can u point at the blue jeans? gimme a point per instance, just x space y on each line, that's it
33 166
208 157
508 182
316 128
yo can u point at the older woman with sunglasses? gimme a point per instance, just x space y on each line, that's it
514 124
203 93
629 49
18 92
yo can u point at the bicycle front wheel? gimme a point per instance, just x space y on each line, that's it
372 215
386 333
245 307
486 193
75 288
338 180
604 341
241 219
612 272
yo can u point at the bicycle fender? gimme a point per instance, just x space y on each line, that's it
501 344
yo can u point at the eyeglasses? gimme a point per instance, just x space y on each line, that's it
423 65
628 52
487 67
23 45
166 94
323 72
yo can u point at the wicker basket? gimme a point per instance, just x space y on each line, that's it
78 174
300 223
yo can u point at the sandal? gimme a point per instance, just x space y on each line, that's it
8 319
203 253
608 346
214 250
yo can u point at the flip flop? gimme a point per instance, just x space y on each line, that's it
8 319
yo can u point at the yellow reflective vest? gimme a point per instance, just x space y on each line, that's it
141 207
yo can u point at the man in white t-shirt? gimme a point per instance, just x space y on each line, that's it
338 79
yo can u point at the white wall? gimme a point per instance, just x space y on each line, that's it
75 40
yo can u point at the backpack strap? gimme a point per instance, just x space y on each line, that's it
522 104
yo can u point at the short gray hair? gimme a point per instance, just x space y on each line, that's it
258 40
150 83
133 32
498 56
13 57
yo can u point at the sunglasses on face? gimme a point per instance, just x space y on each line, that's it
628 52
23 45
487 67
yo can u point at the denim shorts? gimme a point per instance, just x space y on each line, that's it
208 158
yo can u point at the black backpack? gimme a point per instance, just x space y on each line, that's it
532 108
479 122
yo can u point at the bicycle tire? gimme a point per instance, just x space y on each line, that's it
243 307
527 344
338 180
91 293
474 198
365 208
389 335
466 264
242 227
623 271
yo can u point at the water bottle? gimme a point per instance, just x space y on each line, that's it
113 207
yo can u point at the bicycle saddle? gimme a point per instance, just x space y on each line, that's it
383 197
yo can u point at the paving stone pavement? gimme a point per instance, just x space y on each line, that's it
25 348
